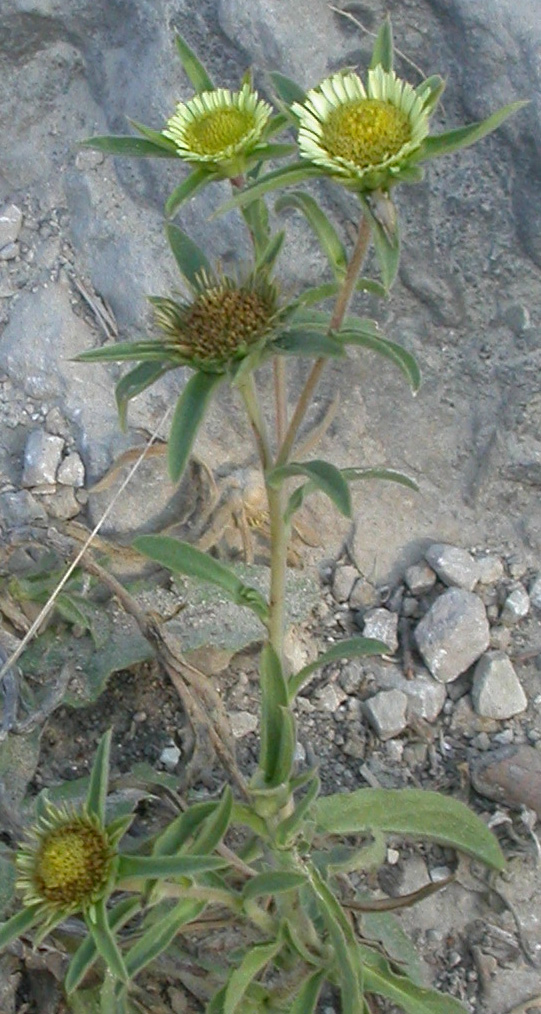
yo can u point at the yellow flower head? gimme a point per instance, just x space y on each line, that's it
225 321
219 128
67 863
364 137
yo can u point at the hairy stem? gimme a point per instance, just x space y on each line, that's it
280 394
342 303
250 397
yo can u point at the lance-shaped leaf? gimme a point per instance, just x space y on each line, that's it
188 416
251 965
382 52
86 954
155 136
144 351
414 813
386 245
397 354
136 381
216 825
306 1000
347 965
379 978
274 704
128 145
305 342
329 290
268 255
352 647
386 474
290 827
132 867
387 930
194 182
175 836
287 176
183 558
99 779
21 923
273 882
105 941
462 137
430 91
325 477
189 257
328 238
256 216
160 933
287 90
193 67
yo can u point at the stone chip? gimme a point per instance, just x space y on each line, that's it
453 634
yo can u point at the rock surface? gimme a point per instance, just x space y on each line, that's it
496 690
453 634
387 713
454 566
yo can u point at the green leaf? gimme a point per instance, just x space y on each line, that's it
414 813
240 979
287 176
387 245
328 238
136 381
290 827
387 474
19 924
352 647
86 954
105 942
286 747
193 67
324 476
160 934
189 257
189 413
343 941
99 778
155 136
275 882
127 145
183 558
303 342
268 256
462 137
147 351
286 90
329 290
273 151
389 350
215 827
387 930
194 182
274 700
378 977
430 91
256 216
306 1000
382 52
156 867
179 830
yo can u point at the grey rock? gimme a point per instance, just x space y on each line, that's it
330 698
62 504
20 508
71 471
382 625
11 220
516 606
500 638
170 757
426 696
363 595
343 581
9 252
517 317
42 456
420 578
242 723
387 713
351 677
453 634
496 690
489 569
535 592
454 566
511 775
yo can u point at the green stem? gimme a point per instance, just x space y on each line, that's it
279 538
280 393
342 302
250 397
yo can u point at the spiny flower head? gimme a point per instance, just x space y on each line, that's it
66 864
224 322
363 137
219 128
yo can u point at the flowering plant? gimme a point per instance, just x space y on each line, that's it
287 886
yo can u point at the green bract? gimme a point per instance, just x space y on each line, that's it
364 137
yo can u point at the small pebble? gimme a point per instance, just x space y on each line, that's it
516 606
454 566
242 723
387 713
420 578
170 757
343 581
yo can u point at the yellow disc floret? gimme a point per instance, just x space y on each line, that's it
366 132
218 130
72 863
